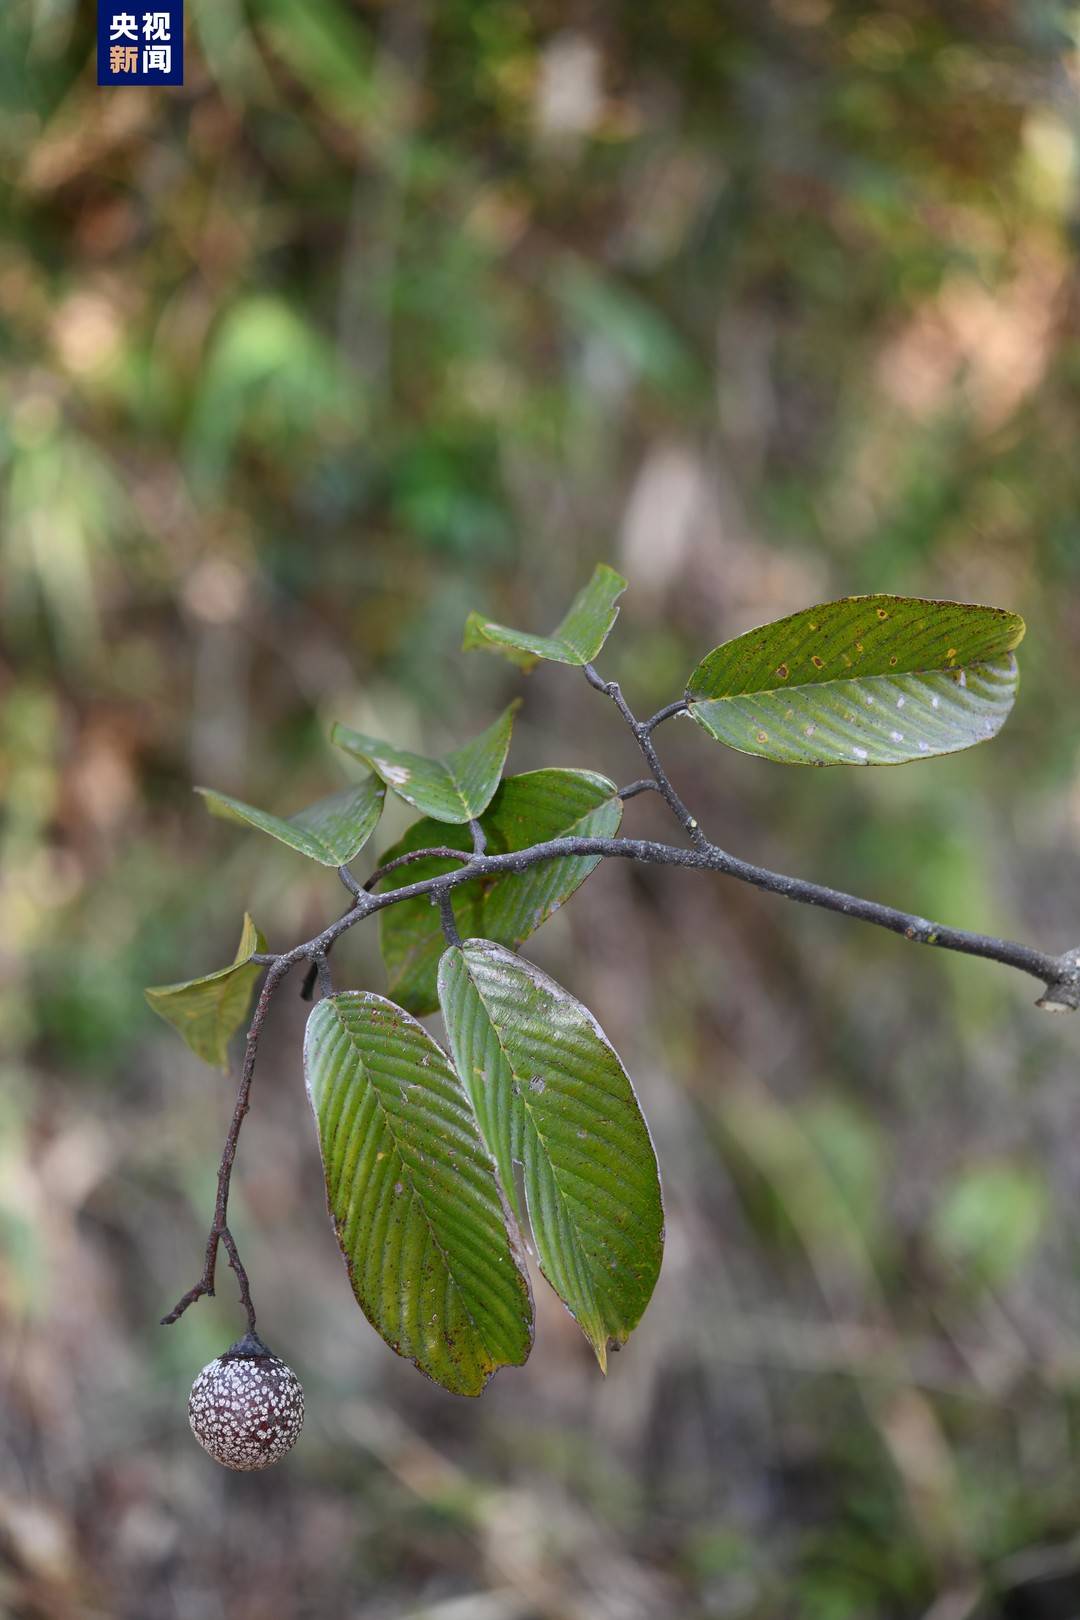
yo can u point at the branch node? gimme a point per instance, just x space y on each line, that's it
1062 993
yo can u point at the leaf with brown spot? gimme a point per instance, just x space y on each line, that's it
867 680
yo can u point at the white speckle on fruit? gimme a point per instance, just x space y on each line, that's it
247 1407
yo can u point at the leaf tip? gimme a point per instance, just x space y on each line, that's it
606 572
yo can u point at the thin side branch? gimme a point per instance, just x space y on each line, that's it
446 916
666 713
349 881
441 851
642 732
219 1231
229 1245
644 785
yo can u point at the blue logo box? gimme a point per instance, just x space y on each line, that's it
140 44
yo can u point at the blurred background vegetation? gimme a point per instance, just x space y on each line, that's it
400 309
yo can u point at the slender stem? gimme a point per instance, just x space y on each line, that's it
442 851
322 969
349 881
632 789
642 731
670 709
241 1276
219 1230
479 837
446 917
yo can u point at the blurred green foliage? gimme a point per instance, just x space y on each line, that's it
398 310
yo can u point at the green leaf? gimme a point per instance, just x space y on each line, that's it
458 787
551 1095
332 832
207 1012
868 680
526 809
421 1221
575 640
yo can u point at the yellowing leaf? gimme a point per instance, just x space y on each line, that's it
207 1012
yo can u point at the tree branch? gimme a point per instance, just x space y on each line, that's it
446 916
669 709
642 732
219 1231
644 785
1059 975
442 852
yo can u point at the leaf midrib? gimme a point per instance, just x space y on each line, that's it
407 1172
452 779
521 1098
216 986
318 841
437 765
219 1004
848 680
321 848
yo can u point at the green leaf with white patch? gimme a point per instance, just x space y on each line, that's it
207 1012
577 638
332 832
428 1241
527 809
454 788
552 1096
868 680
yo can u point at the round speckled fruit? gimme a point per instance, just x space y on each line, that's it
247 1407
